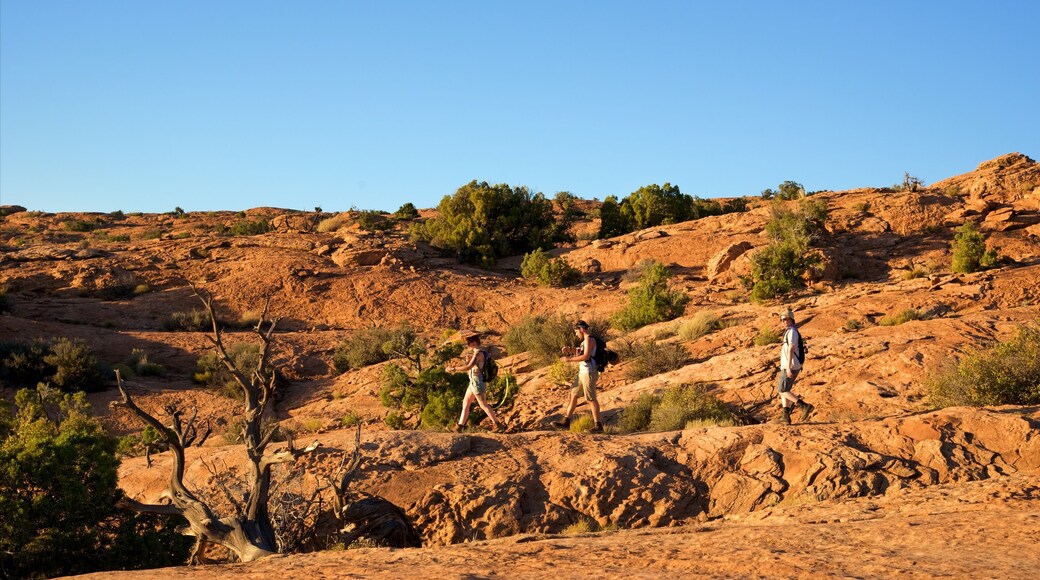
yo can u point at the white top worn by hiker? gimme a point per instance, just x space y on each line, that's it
789 351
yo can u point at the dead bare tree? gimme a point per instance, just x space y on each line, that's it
250 534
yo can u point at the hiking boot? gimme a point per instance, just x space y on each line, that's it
807 410
597 429
785 416
456 428
564 424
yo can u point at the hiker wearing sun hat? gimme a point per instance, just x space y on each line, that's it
477 390
791 355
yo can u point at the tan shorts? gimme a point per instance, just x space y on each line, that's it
586 382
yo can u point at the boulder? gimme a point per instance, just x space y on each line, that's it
721 261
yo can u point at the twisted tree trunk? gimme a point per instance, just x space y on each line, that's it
250 535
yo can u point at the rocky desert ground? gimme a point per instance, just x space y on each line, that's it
876 483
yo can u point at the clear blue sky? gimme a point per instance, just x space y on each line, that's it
147 105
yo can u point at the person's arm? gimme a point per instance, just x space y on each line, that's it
472 362
789 337
586 353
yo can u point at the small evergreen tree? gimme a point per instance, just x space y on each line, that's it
651 301
969 250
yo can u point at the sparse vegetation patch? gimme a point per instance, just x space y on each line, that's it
1007 373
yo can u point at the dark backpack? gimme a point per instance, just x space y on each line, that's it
603 357
490 367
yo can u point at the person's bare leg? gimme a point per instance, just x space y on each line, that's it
466 402
487 409
570 407
595 410
788 397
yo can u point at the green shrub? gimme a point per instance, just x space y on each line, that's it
152 234
23 364
481 223
562 373
350 419
1007 373
211 371
139 364
542 336
71 225
852 325
768 334
702 323
59 496
636 416
684 404
406 212
781 266
555 272
191 321
903 316
652 358
861 207
611 223
371 220
651 301
394 420
969 250
249 228
654 205
374 345
434 394
674 409
76 367
787 190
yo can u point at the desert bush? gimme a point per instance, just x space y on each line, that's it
434 394
852 325
636 271
72 225
249 228
702 323
394 420
374 345
333 223
611 222
555 272
1006 373
140 366
862 207
787 190
406 212
969 250
372 220
481 223
781 266
903 316
350 419
685 404
768 334
674 409
582 424
651 301
211 371
541 335
190 321
151 234
562 373
636 416
76 367
583 525
59 496
914 273
653 358
23 364
654 205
